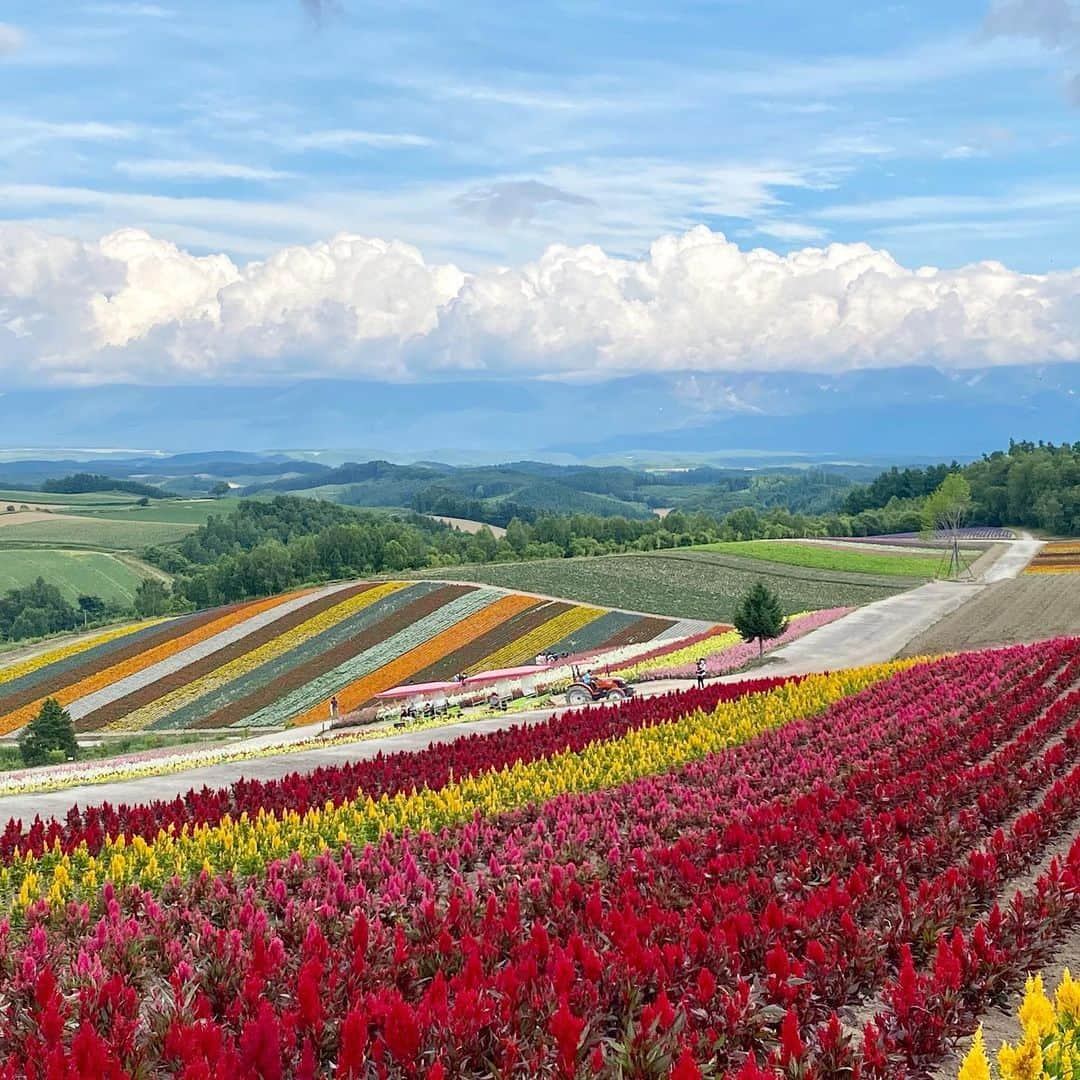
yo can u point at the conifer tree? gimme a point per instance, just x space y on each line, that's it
51 729
760 616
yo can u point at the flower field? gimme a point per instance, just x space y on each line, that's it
270 663
1056 557
814 877
722 648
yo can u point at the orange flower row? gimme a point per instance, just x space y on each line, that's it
431 651
23 715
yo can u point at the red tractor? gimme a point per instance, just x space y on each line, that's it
584 690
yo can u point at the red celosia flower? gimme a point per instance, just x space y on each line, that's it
567 1029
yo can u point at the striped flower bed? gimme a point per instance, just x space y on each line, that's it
279 661
1056 557
192 688
548 635
251 842
95 644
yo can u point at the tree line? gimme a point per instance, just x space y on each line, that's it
1031 484
88 483
40 608
263 547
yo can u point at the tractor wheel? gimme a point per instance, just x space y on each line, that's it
578 695
616 695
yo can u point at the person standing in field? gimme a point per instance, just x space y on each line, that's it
333 708
701 673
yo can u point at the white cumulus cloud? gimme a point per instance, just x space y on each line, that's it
136 308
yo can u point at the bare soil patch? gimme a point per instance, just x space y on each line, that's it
1032 607
468 526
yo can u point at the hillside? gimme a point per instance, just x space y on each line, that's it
269 663
75 573
492 493
682 583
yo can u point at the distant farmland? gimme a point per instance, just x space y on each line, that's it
72 572
72 531
193 512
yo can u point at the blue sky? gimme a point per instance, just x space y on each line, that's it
407 189
484 131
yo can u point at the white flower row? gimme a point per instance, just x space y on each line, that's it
136 681
370 660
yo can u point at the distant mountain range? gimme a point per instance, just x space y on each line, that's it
909 414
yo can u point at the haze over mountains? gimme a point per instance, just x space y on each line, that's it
894 414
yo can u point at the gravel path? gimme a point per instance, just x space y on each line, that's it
1014 559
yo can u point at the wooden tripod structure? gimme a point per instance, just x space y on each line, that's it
952 565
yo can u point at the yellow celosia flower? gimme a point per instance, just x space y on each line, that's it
1023 1062
248 843
976 1066
52 656
1067 999
1037 1014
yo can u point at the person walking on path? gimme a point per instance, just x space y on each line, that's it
701 673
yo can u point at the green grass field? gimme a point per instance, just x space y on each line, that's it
193 512
819 557
685 583
84 531
96 498
72 572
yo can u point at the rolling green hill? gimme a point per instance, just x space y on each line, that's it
73 531
96 573
683 582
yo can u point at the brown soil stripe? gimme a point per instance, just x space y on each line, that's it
645 629
304 673
165 685
17 699
463 658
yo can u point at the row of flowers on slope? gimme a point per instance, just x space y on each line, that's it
279 661
1056 557
710 919
412 650
112 675
277 678
197 689
716 637
433 767
728 652
543 637
250 842
42 659
170 760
